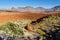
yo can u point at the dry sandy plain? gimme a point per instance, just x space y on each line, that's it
8 15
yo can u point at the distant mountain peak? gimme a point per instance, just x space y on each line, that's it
57 7
37 9
28 7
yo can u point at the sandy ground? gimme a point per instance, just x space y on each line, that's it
7 16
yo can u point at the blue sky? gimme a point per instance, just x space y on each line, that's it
34 3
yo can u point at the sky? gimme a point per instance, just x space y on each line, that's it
33 3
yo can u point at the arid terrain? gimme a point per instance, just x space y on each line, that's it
10 15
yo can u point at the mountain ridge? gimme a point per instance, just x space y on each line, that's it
37 9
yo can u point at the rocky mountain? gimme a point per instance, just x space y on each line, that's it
28 9
37 9
54 9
